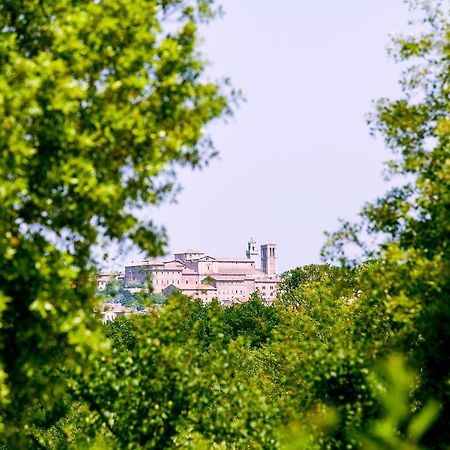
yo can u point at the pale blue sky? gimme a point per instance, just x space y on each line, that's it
297 155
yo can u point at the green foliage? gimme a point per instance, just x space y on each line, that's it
99 103
159 388
398 425
401 425
115 292
411 283
252 320
157 299
317 362
297 284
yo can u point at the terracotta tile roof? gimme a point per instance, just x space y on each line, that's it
205 258
197 287
174 265
191 287
222 277
146 262
189 251
244 271
175 261
227 259
267 280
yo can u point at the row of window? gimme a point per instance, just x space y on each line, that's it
165 282
264 287
230 292
169 281
271 294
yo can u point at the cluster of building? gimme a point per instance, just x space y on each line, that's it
199 275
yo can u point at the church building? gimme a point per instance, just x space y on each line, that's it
194 273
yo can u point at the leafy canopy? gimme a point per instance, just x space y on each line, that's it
100 101
411 285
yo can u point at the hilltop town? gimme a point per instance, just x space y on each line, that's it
200 275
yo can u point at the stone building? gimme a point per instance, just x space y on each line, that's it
202 276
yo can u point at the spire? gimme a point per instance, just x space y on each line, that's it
252 251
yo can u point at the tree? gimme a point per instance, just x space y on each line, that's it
115 292
296 284
411 222
252 319
162 387
99 103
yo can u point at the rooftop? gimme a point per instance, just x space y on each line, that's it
146 262
192 287
189 251
238 259
222 277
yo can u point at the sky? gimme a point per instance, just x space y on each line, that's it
297 155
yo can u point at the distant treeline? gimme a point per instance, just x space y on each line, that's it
329 365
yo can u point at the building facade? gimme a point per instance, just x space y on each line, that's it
194 273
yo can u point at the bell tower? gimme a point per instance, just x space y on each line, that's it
252 252
269 259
